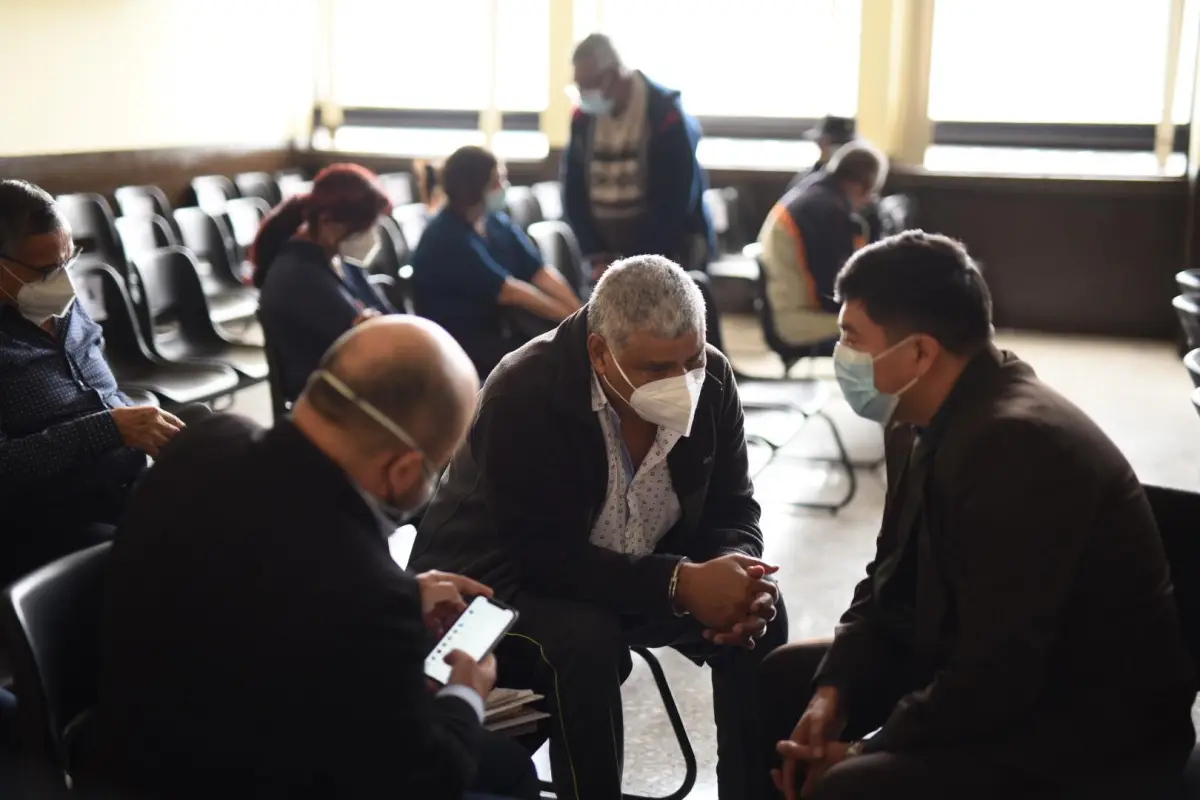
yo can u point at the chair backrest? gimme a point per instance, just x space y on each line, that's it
93 228
398 186
789 354
1192 362
560 249
213 192
106 296
522 206
279 402
209 238
1187 309
292 183
172 310
1196 399
724 209
245 215
261 185
393 252
51 621
896 214
145 201
718 212
412 219
1188 282
142 234
549 197
1177 513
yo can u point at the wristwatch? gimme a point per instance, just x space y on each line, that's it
674 588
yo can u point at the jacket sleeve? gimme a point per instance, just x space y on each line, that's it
671 189
385 693
58 449
576 205
1019 520
730 523
542 516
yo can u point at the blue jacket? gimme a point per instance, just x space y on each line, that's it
674 187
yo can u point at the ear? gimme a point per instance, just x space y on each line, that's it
596 349
928 349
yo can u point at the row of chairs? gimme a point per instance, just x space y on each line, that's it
1187 310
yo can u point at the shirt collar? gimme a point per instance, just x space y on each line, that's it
599 398
980 365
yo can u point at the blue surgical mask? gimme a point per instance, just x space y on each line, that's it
855 373
495 200
593 103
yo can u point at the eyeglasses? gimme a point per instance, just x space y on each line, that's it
46 272
378 416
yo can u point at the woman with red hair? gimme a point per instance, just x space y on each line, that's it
309 261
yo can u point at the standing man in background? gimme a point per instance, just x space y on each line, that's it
631 181
829 135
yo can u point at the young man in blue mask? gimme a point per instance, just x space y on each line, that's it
631 181
604 491
981 656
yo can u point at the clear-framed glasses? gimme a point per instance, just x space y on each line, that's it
47 271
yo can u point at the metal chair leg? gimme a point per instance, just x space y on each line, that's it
685 745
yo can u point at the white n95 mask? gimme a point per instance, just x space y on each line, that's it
669 402
360 248
41 300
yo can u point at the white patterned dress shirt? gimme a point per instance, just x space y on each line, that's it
639 507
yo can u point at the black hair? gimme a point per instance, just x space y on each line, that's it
25 210
917 282
466 175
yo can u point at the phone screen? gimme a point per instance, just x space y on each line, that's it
475 633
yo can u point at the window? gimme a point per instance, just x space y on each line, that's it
1049 61
749 58
437 54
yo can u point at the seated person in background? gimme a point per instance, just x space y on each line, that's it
309 259
830 135
631 181
1016 635
260 640
808 236
604 491
473 264
429 188
71 444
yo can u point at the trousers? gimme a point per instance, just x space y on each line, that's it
577 656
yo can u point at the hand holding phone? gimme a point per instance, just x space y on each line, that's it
477 675
476 632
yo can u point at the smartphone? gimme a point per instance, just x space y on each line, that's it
476 633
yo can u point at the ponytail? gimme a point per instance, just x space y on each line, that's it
279 226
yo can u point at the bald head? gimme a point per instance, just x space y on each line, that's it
412 371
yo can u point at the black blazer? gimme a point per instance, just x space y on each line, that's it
1047 630
517 505
259 638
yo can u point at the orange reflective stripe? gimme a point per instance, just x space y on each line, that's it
784 217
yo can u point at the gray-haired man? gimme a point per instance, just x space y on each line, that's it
603 490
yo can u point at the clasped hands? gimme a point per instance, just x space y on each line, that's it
813 743
730 596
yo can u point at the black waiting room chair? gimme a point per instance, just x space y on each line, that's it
560 249
213 192
412 219
229 299
897 213
245 215
106 296
1188 282
522 206
550 199
144 234
94 229
733 272
1192 362
146 201
261 185
1187 310
392 262
50 621
292 183
174 317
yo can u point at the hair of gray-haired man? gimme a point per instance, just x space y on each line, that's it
598 49
651 294
860 163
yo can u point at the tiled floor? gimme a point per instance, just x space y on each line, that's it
1138 392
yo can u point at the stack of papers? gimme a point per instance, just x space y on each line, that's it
509 710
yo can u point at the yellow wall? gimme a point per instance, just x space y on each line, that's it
97 75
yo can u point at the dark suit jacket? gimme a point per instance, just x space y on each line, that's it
516 507
1048 631
259 638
